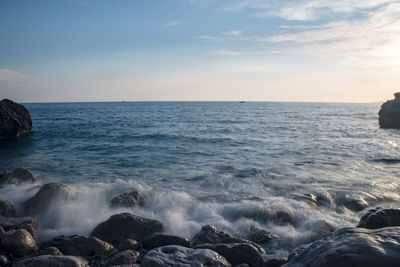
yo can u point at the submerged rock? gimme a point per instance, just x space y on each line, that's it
47 196
15 119
124 257
379 218
6 209
18 176
389 114
126 225
350 247
159 240
237 253
18 242
28 223
184 257
52 261
77 245
128 199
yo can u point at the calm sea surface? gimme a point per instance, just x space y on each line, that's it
290 168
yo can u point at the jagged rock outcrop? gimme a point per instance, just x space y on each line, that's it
389 114
15 119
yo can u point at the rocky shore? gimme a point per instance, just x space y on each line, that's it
125 239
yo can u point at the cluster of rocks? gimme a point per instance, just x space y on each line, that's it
126 239
15 119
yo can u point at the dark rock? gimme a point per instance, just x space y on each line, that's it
260 236
52 261
182 257
49 251
28 223
159 240
15 119
3 260
210 234
6 209
124 257
126 225
77 245
18 242
47 196
128 199
379 218
237 253
389 114
2 232
274 263
351 248
128 244
18 176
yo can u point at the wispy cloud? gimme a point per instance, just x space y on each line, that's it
172 23
7 75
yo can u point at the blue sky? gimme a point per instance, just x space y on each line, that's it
270 50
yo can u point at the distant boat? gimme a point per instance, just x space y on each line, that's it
242 102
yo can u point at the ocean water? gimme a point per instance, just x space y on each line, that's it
290 168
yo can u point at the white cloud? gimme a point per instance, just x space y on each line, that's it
172 23
6 75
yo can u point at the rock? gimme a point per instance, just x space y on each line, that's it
389 114
28 223
124 257
379 218
49 251
260 236
236 253
210 234
275 262
181 256
46 197
6 209
159 240
77 245
351 247
18 176
2 232
3 260
128 244
126 225
18 242
52 261
128 199
15 119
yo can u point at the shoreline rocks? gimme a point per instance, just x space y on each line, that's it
18 176
15 119
389 113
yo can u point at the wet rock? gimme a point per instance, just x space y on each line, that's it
273 261
210 234
77 245
18 176
379 218
236 253
28 223
260 236
49 251
389 114
52 261
126 225
159 240
3 260
15 119
351 247
6 209
46 197
128 244
181 256
124 257
2 232
128 199
18 242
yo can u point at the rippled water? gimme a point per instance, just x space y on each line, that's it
280 166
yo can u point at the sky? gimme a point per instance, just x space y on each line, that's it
199 50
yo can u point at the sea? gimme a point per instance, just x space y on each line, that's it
297 170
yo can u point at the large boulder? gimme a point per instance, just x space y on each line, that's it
351 247
77 245
15 119
128 244
18 176
52 261
18 242
48 195
379 218
159 240
389 114
28 223
210 234
128 199
124 257
6 209
237 253
183 257
126 225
